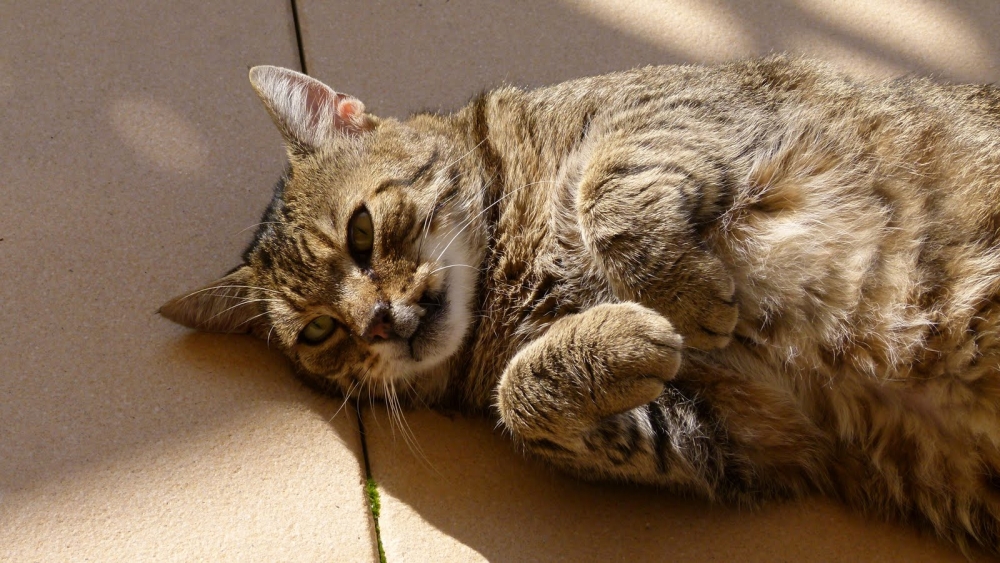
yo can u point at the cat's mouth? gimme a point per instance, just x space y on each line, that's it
435 306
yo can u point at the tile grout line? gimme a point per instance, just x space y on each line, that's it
298 37
371 488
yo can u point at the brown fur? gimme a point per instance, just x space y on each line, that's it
751 280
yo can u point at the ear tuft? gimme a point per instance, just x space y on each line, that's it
221 306
306 111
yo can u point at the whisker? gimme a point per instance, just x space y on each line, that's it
464 224
347 397
214 287
414 395
470 151
480 192
371 404
429 219
478 215
240 304
435 270
252 318
409 436
397 414
385 394
245 300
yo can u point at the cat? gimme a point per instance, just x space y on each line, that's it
746 281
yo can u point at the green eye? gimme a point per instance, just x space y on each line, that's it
318 330
361 233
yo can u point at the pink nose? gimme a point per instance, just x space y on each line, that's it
380 327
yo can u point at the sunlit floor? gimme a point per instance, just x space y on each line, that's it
135 158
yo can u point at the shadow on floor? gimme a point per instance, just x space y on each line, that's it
486 501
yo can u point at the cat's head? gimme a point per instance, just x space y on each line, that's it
361 269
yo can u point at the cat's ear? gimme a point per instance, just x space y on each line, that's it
307 112
221 306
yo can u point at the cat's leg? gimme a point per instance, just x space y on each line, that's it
639 217
597 396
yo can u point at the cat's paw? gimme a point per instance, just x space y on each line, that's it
637 342
604 361
633 352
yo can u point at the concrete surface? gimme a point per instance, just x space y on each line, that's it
135 159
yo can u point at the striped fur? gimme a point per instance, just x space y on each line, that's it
746 281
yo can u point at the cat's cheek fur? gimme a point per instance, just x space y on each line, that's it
445 338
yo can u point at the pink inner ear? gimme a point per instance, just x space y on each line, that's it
349 110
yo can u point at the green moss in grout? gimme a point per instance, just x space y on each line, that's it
371 490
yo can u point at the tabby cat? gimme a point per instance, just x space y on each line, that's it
746 281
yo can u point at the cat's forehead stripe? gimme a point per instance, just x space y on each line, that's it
413 178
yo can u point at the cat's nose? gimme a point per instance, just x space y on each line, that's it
380 327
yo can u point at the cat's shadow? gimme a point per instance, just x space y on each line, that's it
466 480
458 486
247 371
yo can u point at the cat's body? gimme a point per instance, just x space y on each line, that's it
746 281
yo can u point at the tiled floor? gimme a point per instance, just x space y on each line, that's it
134 158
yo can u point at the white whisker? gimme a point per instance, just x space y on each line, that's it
240 304
252 318
347 397
435 270
407 431
215 287
480 214
429 219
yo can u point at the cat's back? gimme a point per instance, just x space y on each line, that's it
766 94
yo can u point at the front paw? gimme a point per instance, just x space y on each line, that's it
636 341
587 367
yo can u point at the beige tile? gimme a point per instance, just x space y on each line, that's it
480 501
463 494
132 157
400 57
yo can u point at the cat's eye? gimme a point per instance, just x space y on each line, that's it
318 330
361 234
